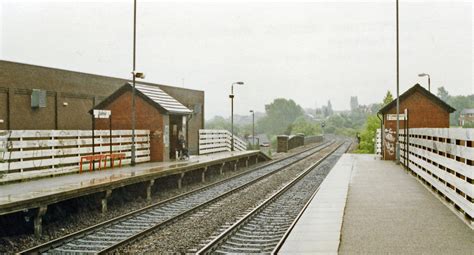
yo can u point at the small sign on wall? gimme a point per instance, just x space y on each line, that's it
394 117
102 114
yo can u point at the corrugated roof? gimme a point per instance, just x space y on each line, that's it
163 99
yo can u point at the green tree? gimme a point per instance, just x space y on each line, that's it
367 136
280 114
458 102
388 98
305 126
443 94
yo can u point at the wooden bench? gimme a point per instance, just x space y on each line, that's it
92 159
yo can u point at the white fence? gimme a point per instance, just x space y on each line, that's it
56 150
443 158
378 142
211 141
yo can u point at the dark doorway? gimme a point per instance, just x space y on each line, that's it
176 129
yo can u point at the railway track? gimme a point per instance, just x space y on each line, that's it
107 236
261 230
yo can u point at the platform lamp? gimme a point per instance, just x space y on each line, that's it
231 96
253 127
135 75
397 145
429 80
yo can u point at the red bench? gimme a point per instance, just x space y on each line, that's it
99 157
92 159
113 157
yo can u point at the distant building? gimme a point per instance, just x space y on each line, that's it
354 103
425 110
260 139
466 116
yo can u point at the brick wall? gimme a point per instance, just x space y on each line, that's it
147 117
422 113
70 96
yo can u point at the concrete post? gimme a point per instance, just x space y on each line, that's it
221 169
149 185
203 175
180 181
106 197
38 222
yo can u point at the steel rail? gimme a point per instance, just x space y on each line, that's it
213 245
42 248
293 224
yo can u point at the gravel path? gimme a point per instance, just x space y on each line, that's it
91 215
179 237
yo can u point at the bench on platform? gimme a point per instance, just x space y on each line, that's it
99 157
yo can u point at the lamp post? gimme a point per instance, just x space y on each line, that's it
429 80
135 74
253 127
231 96
397 145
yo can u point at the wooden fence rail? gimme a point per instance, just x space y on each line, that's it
211 141
443 158
59 150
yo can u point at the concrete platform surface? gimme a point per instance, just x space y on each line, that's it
389 211
318 229
369 206
29 194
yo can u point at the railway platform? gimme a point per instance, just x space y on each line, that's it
370 206
38 194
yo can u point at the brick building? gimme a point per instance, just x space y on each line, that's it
164 116
425 110
69 96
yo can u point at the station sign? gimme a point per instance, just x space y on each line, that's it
394 117
102 114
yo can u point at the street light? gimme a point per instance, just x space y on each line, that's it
397 145
232 111
429 80
135 75
253 127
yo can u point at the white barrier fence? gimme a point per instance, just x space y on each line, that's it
211 141
378 142
59 150
444 159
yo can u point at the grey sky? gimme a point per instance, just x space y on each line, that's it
309 52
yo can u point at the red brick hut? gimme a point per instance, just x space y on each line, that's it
156 111
425 110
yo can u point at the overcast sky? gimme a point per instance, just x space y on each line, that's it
310 52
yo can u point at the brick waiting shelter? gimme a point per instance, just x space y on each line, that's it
157 111
424 110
